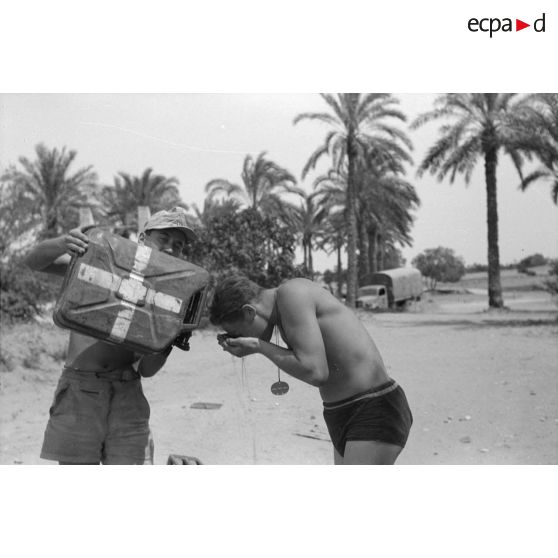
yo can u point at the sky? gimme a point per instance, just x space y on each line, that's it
199 137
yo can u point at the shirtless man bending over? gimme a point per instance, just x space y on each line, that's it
366 412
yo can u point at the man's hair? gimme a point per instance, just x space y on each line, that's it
229 296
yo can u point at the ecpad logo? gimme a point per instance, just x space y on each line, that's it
494 24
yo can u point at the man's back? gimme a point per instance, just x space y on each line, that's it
353 360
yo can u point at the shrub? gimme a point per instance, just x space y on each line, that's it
32 345
392 257
530 261
551 285
23 291
260 247
439 264
7 363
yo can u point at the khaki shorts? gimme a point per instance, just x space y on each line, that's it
99 417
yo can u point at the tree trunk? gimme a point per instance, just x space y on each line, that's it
351 222
364 263
494 285
374 250
50 229
144 212
371 246
339 269
130 216
381 250
85 216
310 260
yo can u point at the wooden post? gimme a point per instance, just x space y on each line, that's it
143 215
85 216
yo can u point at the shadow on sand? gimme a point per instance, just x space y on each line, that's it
486 323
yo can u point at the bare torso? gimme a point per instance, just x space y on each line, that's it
354 361
89 354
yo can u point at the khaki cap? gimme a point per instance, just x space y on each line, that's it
170 219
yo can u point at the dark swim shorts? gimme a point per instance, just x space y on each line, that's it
380 414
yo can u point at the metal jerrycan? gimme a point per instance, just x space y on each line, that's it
129 294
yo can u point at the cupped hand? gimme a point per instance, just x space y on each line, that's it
239 346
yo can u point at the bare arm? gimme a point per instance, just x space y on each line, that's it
288 361
150 364
306 360
53 255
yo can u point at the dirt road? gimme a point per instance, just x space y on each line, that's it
483 387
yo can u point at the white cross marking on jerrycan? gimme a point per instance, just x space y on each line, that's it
131 290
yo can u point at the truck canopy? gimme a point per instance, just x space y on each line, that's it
402 283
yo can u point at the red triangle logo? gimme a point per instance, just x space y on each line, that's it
519 25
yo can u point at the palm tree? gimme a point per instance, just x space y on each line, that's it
50 195
543 119
262 183
331 194
128 192
385 202
307 219
332 237
481 125
358 123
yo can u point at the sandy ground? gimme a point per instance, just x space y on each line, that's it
483 388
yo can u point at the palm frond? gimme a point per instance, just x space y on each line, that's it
314 158
429 116
218 186
369 99
336 104
462 159
322 116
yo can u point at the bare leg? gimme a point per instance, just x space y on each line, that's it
337 457
360 452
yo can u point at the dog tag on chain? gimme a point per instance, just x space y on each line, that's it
279 388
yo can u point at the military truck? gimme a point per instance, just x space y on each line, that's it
390 288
